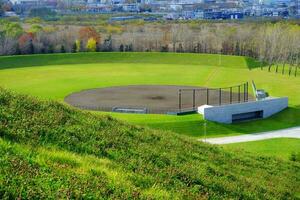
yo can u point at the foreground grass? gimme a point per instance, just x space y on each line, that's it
48 150
56 76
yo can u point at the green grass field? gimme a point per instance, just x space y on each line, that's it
57 75
281 148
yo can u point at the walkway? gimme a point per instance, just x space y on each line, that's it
284 133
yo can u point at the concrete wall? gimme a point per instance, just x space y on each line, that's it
223 114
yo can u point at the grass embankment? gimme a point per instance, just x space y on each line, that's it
48 150
55 76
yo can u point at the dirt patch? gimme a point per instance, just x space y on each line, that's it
155 98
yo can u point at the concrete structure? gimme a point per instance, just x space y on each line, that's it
244 111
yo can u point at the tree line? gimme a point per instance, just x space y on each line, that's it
271 43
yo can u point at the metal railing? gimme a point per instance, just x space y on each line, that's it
191 98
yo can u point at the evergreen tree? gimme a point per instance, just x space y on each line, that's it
51 49
121 48
31 47
62 49
74 47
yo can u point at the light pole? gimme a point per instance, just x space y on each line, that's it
205 129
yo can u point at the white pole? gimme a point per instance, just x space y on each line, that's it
204 130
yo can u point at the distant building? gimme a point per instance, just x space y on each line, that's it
124 18
10 14
175 9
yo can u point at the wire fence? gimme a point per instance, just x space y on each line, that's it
193 98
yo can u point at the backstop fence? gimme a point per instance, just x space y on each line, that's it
190 99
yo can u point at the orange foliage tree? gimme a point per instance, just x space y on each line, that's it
86 33
25 43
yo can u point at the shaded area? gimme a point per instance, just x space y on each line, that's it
253 63
8 62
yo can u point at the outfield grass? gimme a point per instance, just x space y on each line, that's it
55 76
281 148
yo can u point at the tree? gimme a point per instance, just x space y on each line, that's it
62 49
129 47
9 33
107 45
121 48
26 43
1 8
31 47
164 48
78 46
74 48
50 49
88 32
35 28
91 45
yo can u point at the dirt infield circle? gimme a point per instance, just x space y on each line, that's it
154 98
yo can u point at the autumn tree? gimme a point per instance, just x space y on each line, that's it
86 33
91 45
25 43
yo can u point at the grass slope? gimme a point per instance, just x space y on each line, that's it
55 76
48 150
126 57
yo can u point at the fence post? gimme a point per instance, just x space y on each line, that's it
247 85
244 92
230 95
179 102
220 96
194 100
239 93
207 96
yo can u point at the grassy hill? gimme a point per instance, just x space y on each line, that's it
48 150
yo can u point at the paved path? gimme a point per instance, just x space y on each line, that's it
284 133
